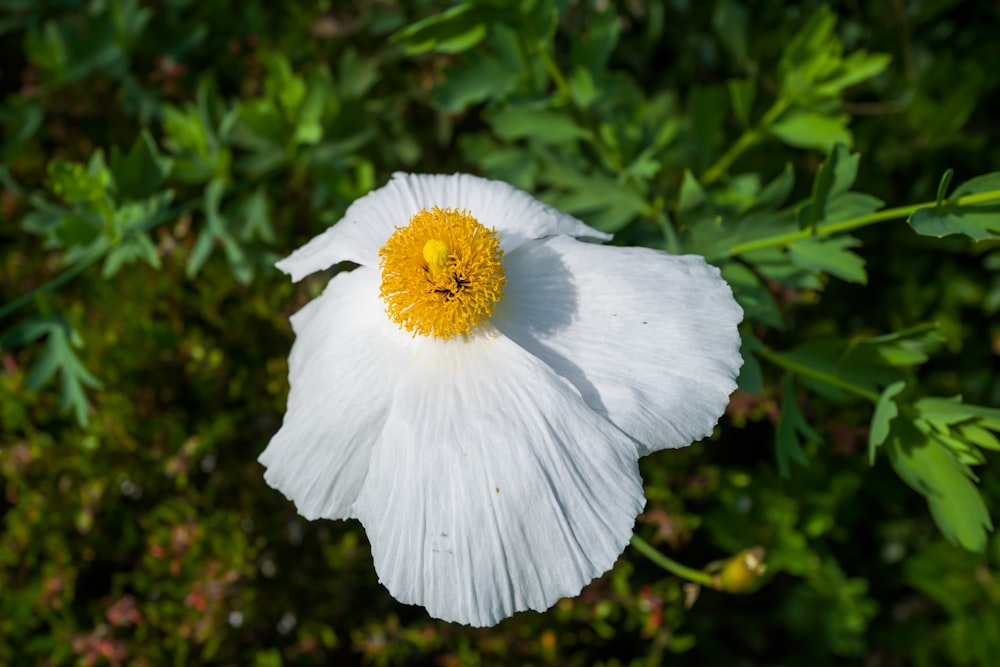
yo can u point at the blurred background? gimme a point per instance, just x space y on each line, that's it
159 156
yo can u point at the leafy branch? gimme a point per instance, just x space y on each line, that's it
930 442
957 206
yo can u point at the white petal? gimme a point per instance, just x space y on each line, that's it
649 339
517 216
494 488
341 371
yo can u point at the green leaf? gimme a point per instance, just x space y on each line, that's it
134 220
78 230
934 472
812 67
260 126
691 195
453 31
856 68
184 130
133 247
776 192
604 203
792 426
542 125
581 87
983 183
966 452
730 21
979 436
751 378
76 183
540 17
908 347
281 84
812 43
594 46
197 153
57 357
811 129
256 218
830 255
356 74
885 412
849 205
48 51
211 232
977 221
707 108
943 185
741 96
22 122
938 571
834 177
309 114
475 78
753 296
953 410
216 231
774 265
838 368
140 172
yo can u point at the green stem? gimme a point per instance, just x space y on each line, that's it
670 565
861 221
553 69
746 140
92 258
595 137
63 278
807 371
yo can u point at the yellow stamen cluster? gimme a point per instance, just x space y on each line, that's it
442 274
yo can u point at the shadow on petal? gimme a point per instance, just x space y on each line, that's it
540 300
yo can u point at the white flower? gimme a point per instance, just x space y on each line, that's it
478 393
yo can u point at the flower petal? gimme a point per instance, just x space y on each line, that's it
494 488
369 221
649 339
341 371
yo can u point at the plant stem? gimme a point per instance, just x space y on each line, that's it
861 221
86 262
553 69
63 278
670 565
807 371
595 137
746 140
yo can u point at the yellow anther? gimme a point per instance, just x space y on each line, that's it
442 274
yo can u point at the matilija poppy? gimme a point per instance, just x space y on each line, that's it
478 391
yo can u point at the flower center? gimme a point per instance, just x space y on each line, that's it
442 274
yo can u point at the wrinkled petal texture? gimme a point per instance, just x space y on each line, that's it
517 216
649 339
494 488
342 371
485 483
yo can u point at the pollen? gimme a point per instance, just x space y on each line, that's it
442 274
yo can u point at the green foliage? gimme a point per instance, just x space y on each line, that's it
183 147
58 357
791 428
962 214
927 463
